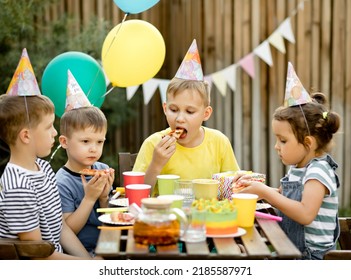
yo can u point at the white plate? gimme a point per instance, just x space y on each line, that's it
240 232
106 219
260 206
119 202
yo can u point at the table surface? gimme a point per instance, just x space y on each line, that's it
265 240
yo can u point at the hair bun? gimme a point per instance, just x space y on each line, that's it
319 98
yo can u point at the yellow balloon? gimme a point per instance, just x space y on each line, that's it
132 53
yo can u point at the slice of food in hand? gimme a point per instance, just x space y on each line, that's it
176 133
93 172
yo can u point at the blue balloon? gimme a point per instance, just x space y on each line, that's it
86 70
135 6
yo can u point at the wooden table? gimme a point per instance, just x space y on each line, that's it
265 240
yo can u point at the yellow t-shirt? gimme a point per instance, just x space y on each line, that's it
213 155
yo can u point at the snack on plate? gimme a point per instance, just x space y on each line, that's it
176 133
221 215
93 172
119 217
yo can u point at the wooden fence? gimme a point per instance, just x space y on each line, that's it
226 31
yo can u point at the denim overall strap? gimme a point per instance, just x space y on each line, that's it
292 229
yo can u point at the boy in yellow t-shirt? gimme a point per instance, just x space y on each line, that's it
199 152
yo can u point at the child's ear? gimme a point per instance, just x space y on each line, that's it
208 113
164 106
24 135
310 142
63 141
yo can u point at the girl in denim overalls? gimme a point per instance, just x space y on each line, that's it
307 198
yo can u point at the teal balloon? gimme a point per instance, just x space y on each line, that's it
135 6
85 69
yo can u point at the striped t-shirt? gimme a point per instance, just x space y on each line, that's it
319 234
28 200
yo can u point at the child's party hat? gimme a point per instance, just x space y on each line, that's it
190 69
75 97
295 93
23 82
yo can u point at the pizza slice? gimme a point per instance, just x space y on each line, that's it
122 217
176 133
93 172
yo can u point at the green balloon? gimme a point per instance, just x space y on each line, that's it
86 70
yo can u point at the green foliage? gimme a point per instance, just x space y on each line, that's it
345 212
23 25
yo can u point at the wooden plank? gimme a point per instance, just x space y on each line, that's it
254 244
198 248
275 99
227 246
168 250
325 47
346 179
246 86
133 248
237 100
218 64
282 245
338 77
256 93
108 242
315 44
227 111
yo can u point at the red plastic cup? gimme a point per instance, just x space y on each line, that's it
133 177
136 192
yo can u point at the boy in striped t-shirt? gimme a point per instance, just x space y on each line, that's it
30 205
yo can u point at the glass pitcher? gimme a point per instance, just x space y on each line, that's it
158 223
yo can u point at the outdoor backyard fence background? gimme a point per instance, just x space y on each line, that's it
227 31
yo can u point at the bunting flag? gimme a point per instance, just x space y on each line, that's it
131 91
163 85
247 63
149 88
220 82
263 51
285 30
227 76
277 41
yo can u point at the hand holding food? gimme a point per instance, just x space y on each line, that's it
93 172
248 176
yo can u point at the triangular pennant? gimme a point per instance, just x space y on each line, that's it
276 40
149 88
75 97
220 82
247 63
24 82
285 30
229 74
163 85
190 69
263 51
131 91
208 79
301 5
295 93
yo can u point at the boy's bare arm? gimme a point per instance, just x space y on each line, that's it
93 190
78 251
